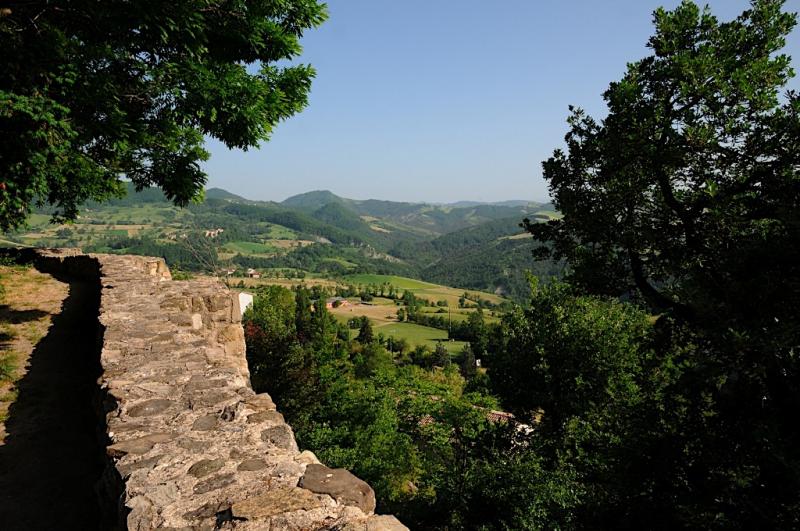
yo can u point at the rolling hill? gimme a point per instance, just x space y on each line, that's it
466 245
423 218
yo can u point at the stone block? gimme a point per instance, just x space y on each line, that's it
287 469
251 465
275 502
191 436
307 457
146 463
200 382
205 467
384 522
150 407
138 446
215 303
180 318
341 485
181 304
280 436
198 306
269 417
261 401
214 483
205 423
142 515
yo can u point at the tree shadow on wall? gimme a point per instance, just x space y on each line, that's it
52 457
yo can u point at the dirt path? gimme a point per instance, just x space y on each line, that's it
51 458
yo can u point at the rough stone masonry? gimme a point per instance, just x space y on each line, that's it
190 444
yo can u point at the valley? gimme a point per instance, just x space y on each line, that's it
379 298
452 259
317 234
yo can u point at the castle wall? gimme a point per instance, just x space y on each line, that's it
190 445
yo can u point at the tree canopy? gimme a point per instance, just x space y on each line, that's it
682 200
693 175
91 94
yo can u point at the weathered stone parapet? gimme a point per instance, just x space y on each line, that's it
190 444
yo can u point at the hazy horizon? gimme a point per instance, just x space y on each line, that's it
438 103
444 203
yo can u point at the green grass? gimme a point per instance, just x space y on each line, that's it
279 232
248 247
8 366
420 335
153 213
38 220
382 301
341 261
426 290
397 282
552 214
455 314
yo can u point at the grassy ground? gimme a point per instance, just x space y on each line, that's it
426 290
254 283
279 232
552 214
95 224
247 248
420 335
382 311
28 301
340 261
397 282
289 243
383 314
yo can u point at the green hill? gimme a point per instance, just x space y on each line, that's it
466 245
219 193
417 218
312 200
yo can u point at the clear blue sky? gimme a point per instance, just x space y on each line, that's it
438 101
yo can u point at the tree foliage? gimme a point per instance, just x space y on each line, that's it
89 95
567 355
693 173
685 199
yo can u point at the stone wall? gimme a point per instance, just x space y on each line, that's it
190 444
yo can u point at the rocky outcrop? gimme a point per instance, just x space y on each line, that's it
190 444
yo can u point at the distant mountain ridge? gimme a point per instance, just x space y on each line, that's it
509 203
466 244
424 219
313 200
219 193
318 198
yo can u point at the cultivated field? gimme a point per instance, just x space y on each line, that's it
383 314
426 290
421 335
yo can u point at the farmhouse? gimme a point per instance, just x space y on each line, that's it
213 233
335 302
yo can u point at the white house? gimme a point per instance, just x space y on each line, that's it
245 301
